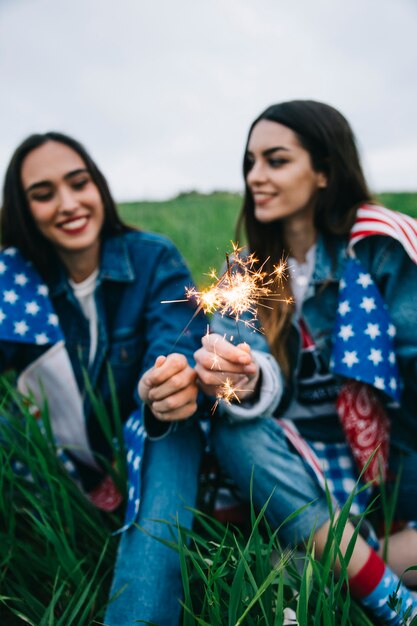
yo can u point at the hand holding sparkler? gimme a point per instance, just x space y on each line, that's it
226 371
169 388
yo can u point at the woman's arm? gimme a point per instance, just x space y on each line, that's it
167 382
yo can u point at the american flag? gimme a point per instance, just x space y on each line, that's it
364 343
363 351
26 312
364 333
364 336
27 316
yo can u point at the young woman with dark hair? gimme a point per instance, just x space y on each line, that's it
17 223
105 283
306 198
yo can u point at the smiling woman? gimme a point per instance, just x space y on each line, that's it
317 391
105 283
49 162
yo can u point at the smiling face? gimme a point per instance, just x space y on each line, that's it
65 203
281 178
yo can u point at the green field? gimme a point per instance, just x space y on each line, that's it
202 225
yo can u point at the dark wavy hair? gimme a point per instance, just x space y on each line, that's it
330 142
17 225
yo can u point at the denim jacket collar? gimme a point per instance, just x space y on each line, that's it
115 265
329 264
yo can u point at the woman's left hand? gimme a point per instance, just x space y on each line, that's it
169 388
219 361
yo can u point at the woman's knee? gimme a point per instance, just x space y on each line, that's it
252 435
258 454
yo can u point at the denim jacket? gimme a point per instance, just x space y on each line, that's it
137 272
396 277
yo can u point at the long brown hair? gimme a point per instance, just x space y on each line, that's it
18 228
330 142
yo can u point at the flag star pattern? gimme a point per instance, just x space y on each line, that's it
20 279
368 359
53 319
42 290
41 339
346 332
24 311
364 335
32 308
368 304
375 356
21 328
364 280
350 358
373 330
134 439
344 307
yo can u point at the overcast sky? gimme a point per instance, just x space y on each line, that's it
162 92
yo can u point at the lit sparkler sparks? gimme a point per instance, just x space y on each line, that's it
227 388
242 288
227 392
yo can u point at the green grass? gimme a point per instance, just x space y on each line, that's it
202 225
404 202
57 551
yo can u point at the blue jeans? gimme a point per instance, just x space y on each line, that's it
259 450
150 571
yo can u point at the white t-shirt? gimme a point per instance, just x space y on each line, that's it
300 275
84 292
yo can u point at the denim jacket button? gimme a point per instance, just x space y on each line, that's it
124 355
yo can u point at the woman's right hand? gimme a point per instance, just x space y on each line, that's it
218 361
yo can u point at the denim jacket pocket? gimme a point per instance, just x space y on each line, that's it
125 352
125 359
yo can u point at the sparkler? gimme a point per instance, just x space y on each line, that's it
241 289
227 392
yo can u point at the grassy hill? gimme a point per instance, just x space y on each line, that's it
202 225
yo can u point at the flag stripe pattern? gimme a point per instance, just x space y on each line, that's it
377 220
